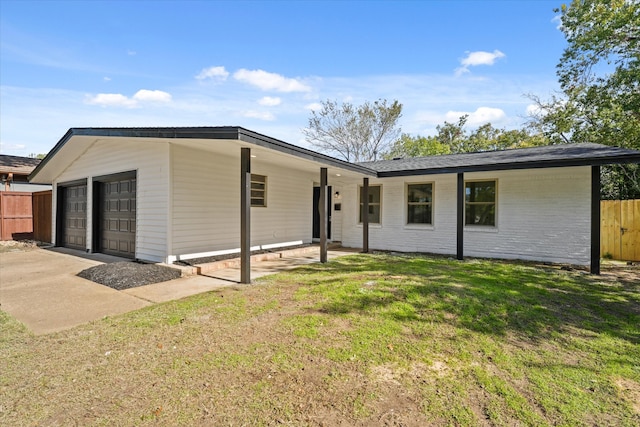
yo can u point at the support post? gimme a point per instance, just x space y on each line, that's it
245 215
460 218
595 219
365 215
322 205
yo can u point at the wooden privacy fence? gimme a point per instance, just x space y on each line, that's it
42 216
620 229
25 215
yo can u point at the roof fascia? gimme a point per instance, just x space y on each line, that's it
227 132
67 136
283 147
596 161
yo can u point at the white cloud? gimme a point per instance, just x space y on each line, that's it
262 115
270 101
119 100
474 59
534 110
145 95
479 117
11 147
111 100
426 100
131 52
314 106
213 73
270 81
106 79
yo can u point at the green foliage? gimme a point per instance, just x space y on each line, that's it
354 133
599 74
454 138
416 146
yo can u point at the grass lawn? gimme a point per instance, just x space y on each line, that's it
363 340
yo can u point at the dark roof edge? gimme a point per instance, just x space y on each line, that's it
51 153
595 161
222 132
284 147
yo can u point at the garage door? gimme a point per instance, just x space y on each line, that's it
118 216
74 230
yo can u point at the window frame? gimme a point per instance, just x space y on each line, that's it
494 203
361 204
407 203
255 200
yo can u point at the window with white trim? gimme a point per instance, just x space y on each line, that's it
420 203
375 203
480 203
258 190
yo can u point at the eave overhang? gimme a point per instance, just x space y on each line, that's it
228 133
560 163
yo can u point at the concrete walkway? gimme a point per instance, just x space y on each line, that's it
41 289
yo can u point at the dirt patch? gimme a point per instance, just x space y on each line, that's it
631 391
125 275
625 273
18 246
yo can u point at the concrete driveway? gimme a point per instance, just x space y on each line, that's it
40 287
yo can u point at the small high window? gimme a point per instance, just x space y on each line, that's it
419 203
374 203
258 190
480 203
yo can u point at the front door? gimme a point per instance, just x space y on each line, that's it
316 212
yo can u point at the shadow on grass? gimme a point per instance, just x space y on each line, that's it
484 296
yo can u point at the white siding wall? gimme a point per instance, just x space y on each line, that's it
542 214
151 161
393 233
206 203
336 216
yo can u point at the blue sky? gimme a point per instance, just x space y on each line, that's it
265 65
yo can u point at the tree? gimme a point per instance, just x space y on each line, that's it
416 146
454 138
599 75
454 135
354 133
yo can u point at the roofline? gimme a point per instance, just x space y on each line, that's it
245 135
594 161
284 147
218 132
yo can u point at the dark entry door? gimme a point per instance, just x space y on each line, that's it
316 212
118 217
74 217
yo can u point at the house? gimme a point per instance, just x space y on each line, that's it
165 194
14 171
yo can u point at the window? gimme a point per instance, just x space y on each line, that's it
258 190
480 203
419 203
374 203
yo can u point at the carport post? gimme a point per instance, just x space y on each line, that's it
365 215
245 215
323 214
595 219
460 218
